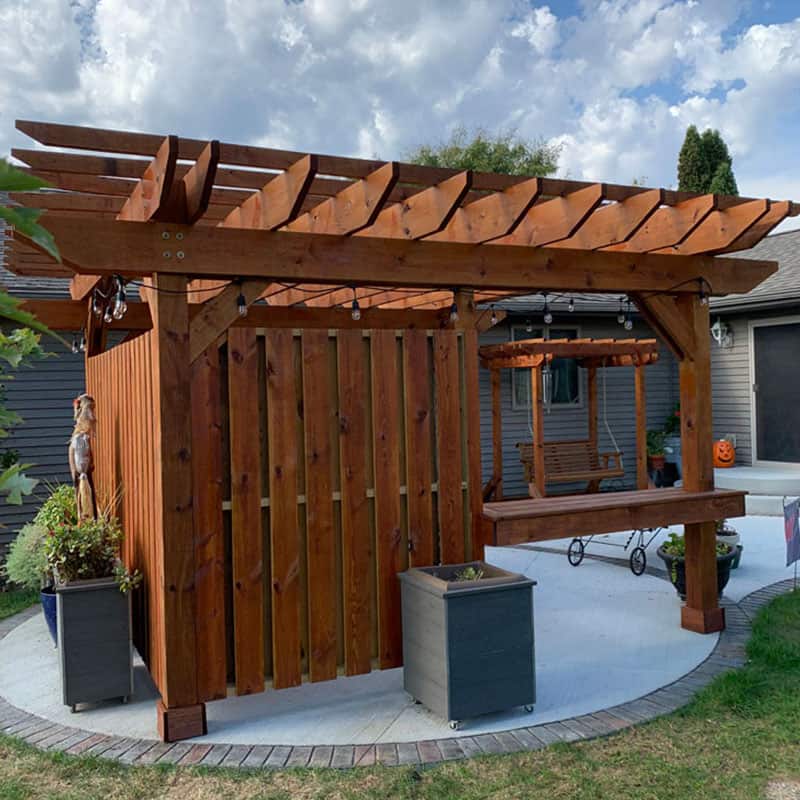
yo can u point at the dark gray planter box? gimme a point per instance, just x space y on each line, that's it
94 642
468 645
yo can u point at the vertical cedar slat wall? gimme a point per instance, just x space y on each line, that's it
342 409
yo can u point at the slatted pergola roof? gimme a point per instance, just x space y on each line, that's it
320 230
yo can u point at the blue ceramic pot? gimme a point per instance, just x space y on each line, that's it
48 597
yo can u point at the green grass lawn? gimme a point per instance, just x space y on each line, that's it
13 602
741 733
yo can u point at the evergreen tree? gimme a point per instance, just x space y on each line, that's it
486 152
723 181
692 164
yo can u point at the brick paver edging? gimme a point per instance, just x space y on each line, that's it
728 654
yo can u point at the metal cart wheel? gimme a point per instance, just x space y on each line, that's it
528 709
575 552
455 724
638 560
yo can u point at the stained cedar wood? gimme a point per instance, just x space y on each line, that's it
246 532
448 445
320 530
209 540
419 455
173 488
497 435
640 394
356 537
386 459
284 528
537 424
472 421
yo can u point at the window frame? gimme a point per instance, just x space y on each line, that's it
516 371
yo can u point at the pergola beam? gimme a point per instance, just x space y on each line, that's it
135 250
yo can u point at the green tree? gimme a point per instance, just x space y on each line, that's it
692 165
723 181
20 343
486 152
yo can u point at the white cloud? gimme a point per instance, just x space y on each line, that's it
616 84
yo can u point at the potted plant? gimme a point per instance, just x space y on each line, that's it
673 553
727 534
468 639
655 450
93 603
672 438
27 563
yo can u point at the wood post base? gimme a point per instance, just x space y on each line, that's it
698 620
175 724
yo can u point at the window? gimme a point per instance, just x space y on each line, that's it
566 379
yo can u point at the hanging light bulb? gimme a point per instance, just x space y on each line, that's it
241 304
571 305
97 308
547 386
493 318
107 316
621 313
528 326
628 324
702 293
548 317
356 312
82 345
454 312
120 301
75 346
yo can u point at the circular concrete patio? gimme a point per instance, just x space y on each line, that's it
610 653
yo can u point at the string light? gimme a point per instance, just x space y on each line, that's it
628 324
120 302
356 312
108 317
75 346
454 309
621 313
241 303
82 345
528 326
571 305
493 318
97 308
702 293
548 317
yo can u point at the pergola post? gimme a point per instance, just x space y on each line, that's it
537 420
642 478
180 716
701 613
592 382
497 436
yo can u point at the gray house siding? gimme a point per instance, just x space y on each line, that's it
572 423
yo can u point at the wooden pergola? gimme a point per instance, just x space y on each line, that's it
278 469
591 354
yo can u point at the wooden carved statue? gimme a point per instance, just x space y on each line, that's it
81 459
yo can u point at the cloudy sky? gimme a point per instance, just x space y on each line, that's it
615 82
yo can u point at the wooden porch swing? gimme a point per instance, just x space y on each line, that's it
568 461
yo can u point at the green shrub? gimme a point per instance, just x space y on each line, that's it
59 508
26 564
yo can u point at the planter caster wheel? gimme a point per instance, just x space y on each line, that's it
125 700
529 709
638 560
575 552
73 709
454 724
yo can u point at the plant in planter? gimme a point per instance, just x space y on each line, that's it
672 439
655 450
93 600
727 534
673 553
468 639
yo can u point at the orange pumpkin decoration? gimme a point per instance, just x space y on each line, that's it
724 453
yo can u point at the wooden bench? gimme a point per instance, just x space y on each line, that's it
536 520
571 462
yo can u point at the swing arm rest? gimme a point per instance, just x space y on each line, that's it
614 456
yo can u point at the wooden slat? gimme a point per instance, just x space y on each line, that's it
320 530
388 523
614 223
246 532
209 535
668 226
640 396
492 216
591 381
497 434
448 446
174 526
196 186
537 424
419 454
472 420
753 235
353 208
110 247
661 312
554 219
154 188
423 213
357 550
284 527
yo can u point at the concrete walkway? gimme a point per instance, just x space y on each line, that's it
609 654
